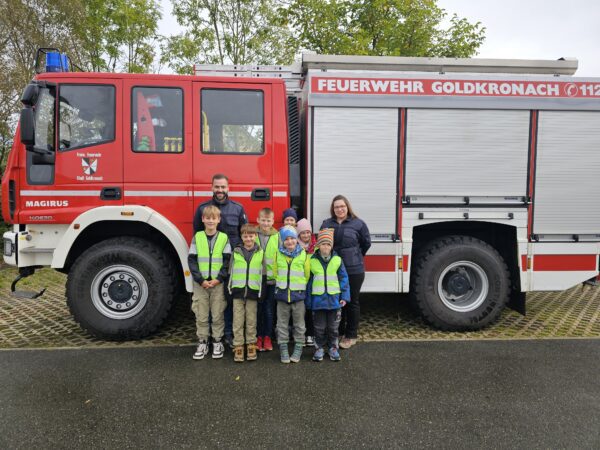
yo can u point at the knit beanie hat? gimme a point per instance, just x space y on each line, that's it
303 225
325 236
290 213
288 231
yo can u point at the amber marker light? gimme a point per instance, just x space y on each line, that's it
76 226
400 263
127 213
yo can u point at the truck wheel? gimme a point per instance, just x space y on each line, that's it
121 288
460 283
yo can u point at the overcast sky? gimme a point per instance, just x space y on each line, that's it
518 29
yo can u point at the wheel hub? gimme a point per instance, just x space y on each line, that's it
463 286
119 292
458 284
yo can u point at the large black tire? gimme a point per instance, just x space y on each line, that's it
121 288
449 278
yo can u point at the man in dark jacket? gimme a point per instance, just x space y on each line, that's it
233 217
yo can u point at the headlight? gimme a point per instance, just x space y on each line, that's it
9 247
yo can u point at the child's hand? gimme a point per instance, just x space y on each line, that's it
206 284
343 303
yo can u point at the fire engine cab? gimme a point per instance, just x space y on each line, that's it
478 178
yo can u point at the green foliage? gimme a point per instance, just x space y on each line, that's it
227 32
118 35
381 27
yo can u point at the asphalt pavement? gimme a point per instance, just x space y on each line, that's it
493 394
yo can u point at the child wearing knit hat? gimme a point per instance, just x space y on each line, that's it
291 270
308 241
290 217
305 236
327 291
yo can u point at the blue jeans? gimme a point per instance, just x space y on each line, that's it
265 311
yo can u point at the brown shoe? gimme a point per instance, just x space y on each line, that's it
346 343
252 352
238 353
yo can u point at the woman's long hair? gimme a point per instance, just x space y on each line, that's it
341 197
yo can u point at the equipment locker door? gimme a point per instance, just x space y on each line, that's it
233 136
157 150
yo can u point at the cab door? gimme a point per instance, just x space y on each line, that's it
233 136
157 150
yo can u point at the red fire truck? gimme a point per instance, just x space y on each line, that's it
477 178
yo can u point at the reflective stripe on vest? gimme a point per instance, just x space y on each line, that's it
325 277
243 275
270 252
291 275
210 264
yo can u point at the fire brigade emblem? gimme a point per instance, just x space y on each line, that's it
89 165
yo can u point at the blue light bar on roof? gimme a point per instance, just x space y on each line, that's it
57 62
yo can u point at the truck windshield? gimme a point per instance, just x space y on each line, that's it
44 119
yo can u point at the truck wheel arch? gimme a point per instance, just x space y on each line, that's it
105 222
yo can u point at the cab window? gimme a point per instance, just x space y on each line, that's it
232 121
87 115
157 119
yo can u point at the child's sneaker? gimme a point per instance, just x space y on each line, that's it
238 353
267 344
297 352
259 344
201 351
310 341
284 354
319 353
334 354
251 355
218 350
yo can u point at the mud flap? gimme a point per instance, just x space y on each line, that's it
516 301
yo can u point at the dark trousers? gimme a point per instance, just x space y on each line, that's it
326 325
308 321
266 311
228 315
351 312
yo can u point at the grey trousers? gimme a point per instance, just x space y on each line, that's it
284 312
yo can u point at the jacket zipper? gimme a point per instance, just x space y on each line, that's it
247 276
289 272
325 268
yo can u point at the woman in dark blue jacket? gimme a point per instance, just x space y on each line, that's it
351 240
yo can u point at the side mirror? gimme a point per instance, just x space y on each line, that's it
30 95
27 126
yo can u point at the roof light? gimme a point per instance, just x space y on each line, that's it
57 62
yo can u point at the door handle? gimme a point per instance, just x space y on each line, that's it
110 193
261 194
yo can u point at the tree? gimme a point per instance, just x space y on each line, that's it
117 35
228 32
381 27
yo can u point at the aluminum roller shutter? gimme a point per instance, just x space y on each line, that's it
567 188
474 153
355 154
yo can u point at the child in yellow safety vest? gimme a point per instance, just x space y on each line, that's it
292 270
268 239
328 290
208 260
245 285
